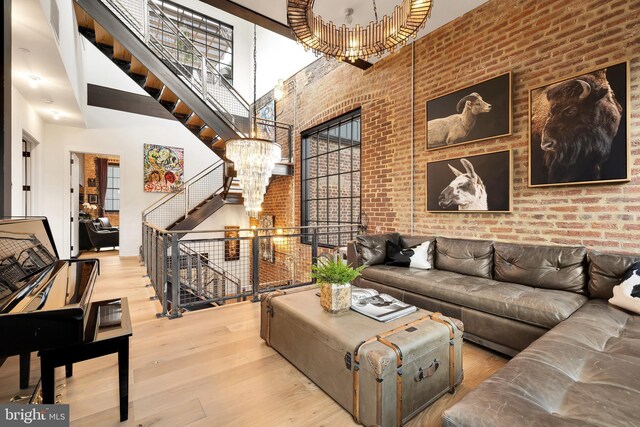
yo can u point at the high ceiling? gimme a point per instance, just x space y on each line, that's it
35 54
444 11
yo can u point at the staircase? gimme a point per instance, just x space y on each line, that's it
195 201
155 54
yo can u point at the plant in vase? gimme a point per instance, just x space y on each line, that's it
334 278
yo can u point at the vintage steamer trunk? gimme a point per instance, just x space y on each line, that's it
382 373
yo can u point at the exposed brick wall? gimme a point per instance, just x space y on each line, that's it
540 42
90 171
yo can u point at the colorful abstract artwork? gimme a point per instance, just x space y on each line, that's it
163 168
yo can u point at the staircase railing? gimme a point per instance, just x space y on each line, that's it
174 206
206 280
251 261
171 45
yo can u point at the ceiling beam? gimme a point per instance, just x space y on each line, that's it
266 22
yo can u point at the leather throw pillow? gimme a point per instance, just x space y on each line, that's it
627 294
415 257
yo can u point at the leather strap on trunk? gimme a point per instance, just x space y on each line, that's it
267 300
437 317
356 373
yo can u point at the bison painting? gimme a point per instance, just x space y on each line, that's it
574 126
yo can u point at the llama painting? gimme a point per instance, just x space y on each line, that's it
466 191
475 113
480 183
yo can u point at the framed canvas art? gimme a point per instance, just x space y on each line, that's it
479 183
579 129
163 168
475 113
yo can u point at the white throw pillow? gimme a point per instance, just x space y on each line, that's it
622 292
420 259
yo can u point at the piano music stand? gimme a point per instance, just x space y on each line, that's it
107 340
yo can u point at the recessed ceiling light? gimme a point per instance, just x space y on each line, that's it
46 100
56 115
34 80
24 50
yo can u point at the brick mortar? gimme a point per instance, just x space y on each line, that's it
539 42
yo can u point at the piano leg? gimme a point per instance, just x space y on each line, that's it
123 378
25 365
68 370
47 371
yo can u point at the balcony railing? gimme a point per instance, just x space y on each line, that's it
214 266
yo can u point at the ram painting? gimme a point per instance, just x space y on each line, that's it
475 113
578 129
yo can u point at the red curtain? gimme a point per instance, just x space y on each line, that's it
101 168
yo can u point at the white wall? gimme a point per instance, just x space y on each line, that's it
70 49
278 58
23 118
126 137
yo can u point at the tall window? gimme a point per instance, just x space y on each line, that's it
211 37
331 176
112 202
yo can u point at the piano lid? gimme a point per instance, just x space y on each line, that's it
26 248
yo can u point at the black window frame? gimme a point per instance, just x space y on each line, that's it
306 157
184 17
109 166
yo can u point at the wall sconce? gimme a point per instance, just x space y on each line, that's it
278 91
252 233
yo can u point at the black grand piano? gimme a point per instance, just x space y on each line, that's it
45 306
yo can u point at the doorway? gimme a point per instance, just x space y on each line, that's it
95 202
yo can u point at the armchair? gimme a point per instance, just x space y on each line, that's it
104 224
92 236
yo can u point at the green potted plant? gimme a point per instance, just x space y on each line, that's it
334 278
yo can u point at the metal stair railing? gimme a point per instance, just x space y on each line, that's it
178 52
174 206
210 281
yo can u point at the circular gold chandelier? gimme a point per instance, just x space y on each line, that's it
358 42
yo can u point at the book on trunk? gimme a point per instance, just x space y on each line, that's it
381 307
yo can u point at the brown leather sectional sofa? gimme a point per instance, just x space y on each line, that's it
584 366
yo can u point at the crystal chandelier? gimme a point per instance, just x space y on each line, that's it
253 158
359 42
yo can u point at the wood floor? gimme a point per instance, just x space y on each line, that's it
209 368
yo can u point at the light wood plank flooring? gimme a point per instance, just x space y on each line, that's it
209 368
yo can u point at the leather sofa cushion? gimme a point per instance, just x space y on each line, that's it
606 271
372 247
549 267
472 257
412 241
584 372
539 307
